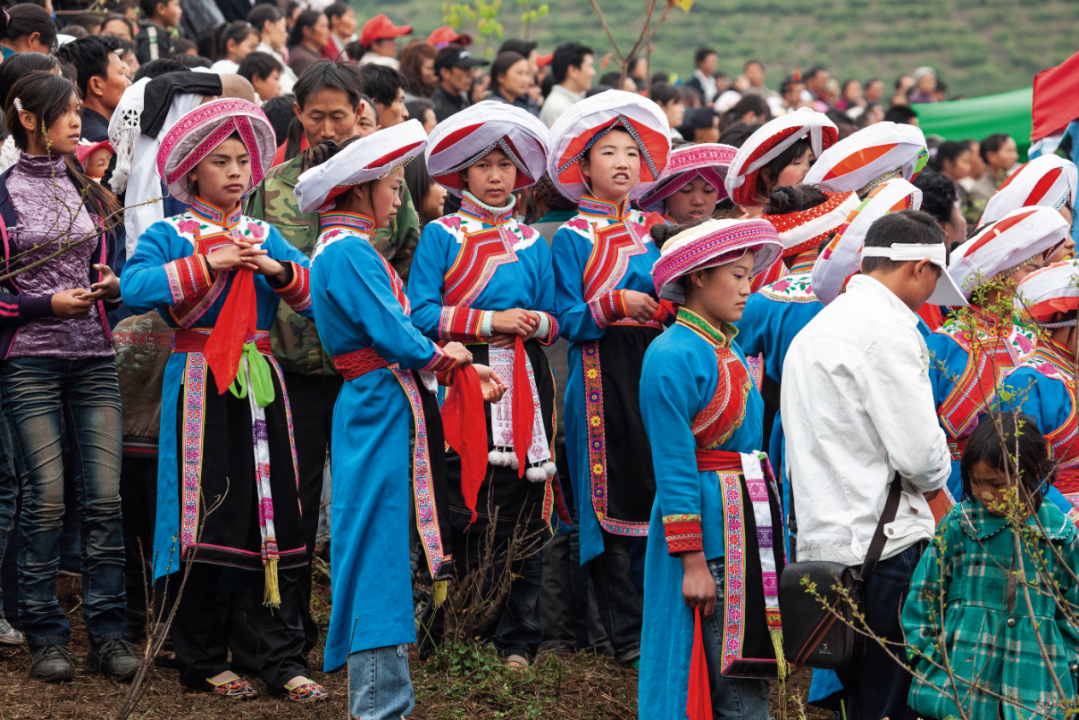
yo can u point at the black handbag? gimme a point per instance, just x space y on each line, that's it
818 627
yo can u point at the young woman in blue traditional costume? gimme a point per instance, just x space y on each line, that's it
693 183
973 350
712 567
1046 181
226 430
482 278
386 430
778 154
608 149
1043 386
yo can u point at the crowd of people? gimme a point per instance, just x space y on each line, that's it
466 308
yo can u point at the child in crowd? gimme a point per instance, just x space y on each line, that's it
94 158
988 634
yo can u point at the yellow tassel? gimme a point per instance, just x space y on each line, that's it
782 668
441 590
272 596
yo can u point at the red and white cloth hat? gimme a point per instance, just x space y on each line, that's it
574 133
869 157
770 142
713 243
466 137
363 160
806 229
689 162
198 132
1019 238
1048 181
1051 290
842 258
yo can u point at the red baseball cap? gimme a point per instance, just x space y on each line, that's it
446 35
380 28
544 60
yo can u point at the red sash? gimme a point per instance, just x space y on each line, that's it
718 461
194 341
358 363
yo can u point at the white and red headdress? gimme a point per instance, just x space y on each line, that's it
466 137
363 160
689 162
201 130
1051 290
869 157
574 133
807 229
842 258
770 142
712 243
1048 181
1018 239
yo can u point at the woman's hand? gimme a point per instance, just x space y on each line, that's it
229 258
640 306
460 354
74 303
515 322
491 384
502 340
698 585
264 264
108 287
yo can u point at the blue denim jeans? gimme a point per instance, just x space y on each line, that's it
620 604
9 496
379 687
732 698
40 395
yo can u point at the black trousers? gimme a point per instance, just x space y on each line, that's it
311 399
199 632
621 607
138 503
878 686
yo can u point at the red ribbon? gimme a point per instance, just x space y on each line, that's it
699 704
463 424
524 408
237 321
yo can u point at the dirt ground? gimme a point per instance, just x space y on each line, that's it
562 687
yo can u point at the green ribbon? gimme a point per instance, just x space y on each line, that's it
261 381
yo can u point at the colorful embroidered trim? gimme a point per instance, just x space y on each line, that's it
589 205
194 409
614 245
188 277
356 223
298 292
462 324
608 308
474 211
683 533
426 512
481 254
213 214
440 362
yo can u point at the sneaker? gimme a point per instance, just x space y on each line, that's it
8 634
117 659
52 663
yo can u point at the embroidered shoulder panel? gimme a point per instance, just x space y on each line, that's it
458 225
726 410
1021 341
193 228
793 288
586 226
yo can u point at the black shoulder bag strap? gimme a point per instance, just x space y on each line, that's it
876 546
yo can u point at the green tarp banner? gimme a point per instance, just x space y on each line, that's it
978 118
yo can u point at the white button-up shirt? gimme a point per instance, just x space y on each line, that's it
857 408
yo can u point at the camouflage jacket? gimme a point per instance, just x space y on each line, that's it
294 339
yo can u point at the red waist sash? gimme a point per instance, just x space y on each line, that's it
718 461
1067 481
358 363
194 341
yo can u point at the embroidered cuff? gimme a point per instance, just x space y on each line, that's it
440 362
548 329
462 324
683 533
188 277
297 293
608 308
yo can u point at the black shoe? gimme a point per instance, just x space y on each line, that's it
117 659
52 663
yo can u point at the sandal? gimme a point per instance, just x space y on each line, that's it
306 692
238 689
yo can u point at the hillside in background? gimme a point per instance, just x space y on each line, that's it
978 47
